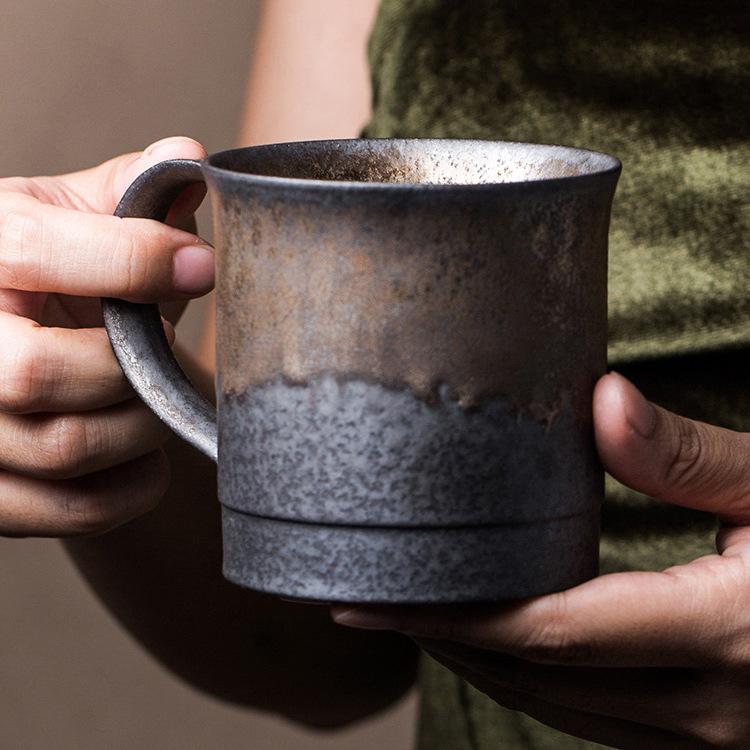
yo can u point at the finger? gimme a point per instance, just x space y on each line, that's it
100 188
672 699
72 445
604 730
670 457
45 248
81 507
636 619
57 369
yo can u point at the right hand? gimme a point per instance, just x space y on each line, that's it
79 452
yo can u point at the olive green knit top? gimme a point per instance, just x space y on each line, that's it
664 86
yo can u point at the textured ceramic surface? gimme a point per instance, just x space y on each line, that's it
408 337
424 565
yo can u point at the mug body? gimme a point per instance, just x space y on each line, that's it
408 336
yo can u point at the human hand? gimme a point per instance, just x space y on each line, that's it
655 661
79 453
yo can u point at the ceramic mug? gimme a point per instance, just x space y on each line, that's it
408 337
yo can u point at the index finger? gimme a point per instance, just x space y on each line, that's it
46 248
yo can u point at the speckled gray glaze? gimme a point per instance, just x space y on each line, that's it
425 565
359 453
408 335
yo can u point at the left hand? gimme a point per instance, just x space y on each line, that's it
648 661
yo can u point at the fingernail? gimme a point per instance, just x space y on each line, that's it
164 145
194 269
362 618
639 412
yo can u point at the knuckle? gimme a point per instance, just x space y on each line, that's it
127 273
86 514
22 377
90 510
13 184
136 258
685 461
64 445
555 638
21 235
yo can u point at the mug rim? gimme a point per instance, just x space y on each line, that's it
611 167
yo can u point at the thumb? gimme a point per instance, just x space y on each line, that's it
102 186
670 457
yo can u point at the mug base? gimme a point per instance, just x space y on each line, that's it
391 565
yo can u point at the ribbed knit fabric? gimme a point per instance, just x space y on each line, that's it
665 86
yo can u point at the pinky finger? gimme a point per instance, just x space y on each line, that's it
84 506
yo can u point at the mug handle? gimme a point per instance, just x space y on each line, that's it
136 332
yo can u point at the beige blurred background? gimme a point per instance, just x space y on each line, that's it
81 80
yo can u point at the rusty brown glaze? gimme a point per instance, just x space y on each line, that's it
490 289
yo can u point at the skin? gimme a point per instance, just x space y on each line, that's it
70 463
634 660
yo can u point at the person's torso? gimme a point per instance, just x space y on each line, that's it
665 87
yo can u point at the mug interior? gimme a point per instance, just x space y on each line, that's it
414 161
